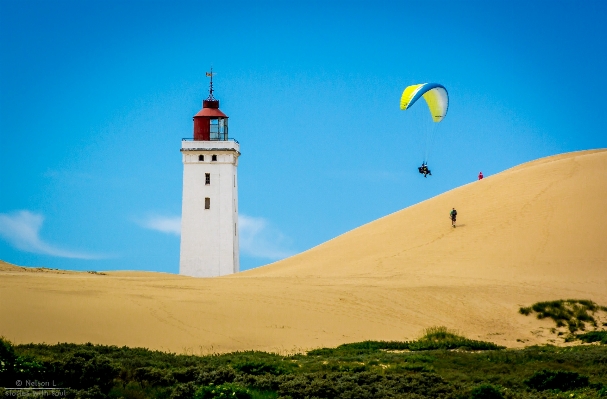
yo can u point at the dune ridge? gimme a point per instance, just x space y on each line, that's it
531 233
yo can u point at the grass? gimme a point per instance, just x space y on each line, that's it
434 338
575 314
594 336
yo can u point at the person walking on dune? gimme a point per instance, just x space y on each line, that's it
480 175
453 215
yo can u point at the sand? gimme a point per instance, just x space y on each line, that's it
531 233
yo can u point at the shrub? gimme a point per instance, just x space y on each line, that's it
443 338
377 345
184 391
184 375
362 385
439 333
91 393
12 367
573 313
561 380
313 385
594 336
433 339
219 376
7 356
85 369
486 391
154 376
259 367
224 391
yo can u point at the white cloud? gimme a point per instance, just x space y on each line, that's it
164 224
258 238
21 229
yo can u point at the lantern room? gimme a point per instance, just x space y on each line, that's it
210 124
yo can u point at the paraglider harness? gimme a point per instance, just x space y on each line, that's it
424 170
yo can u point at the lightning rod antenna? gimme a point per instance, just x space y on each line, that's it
210 75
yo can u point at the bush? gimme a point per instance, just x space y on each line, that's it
434 338
219 376
561 380
308 385
259 367
85 369
184 391
443 338
266 382
594 336
224 391
573 313
13 367
7 356
154 376
362 385
184 375
91 393
486 391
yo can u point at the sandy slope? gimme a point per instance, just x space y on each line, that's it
534 232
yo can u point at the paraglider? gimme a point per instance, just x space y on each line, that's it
437 100
424 170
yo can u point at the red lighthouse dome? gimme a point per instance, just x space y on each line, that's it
210 124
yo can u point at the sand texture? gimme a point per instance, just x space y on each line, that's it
531 233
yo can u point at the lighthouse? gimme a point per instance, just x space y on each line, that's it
209 209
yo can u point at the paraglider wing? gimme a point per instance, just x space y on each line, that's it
435 95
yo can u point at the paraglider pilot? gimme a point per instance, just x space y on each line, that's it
424 170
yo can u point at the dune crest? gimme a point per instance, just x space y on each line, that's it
531 233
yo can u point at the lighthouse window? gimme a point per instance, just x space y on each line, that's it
200 158
214 158
207 178
207 203
218 129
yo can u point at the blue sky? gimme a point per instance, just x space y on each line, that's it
95 97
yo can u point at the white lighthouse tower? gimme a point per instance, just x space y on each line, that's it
209 213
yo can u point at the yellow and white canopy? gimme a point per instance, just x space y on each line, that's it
435 95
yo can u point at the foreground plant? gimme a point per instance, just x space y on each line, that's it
434 338
224 391
354 371
572 313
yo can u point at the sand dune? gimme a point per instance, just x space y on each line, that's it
534 232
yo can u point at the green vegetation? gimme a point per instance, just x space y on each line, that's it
227 391
486 391
562 380
574 314
594 336
435 338
441 364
